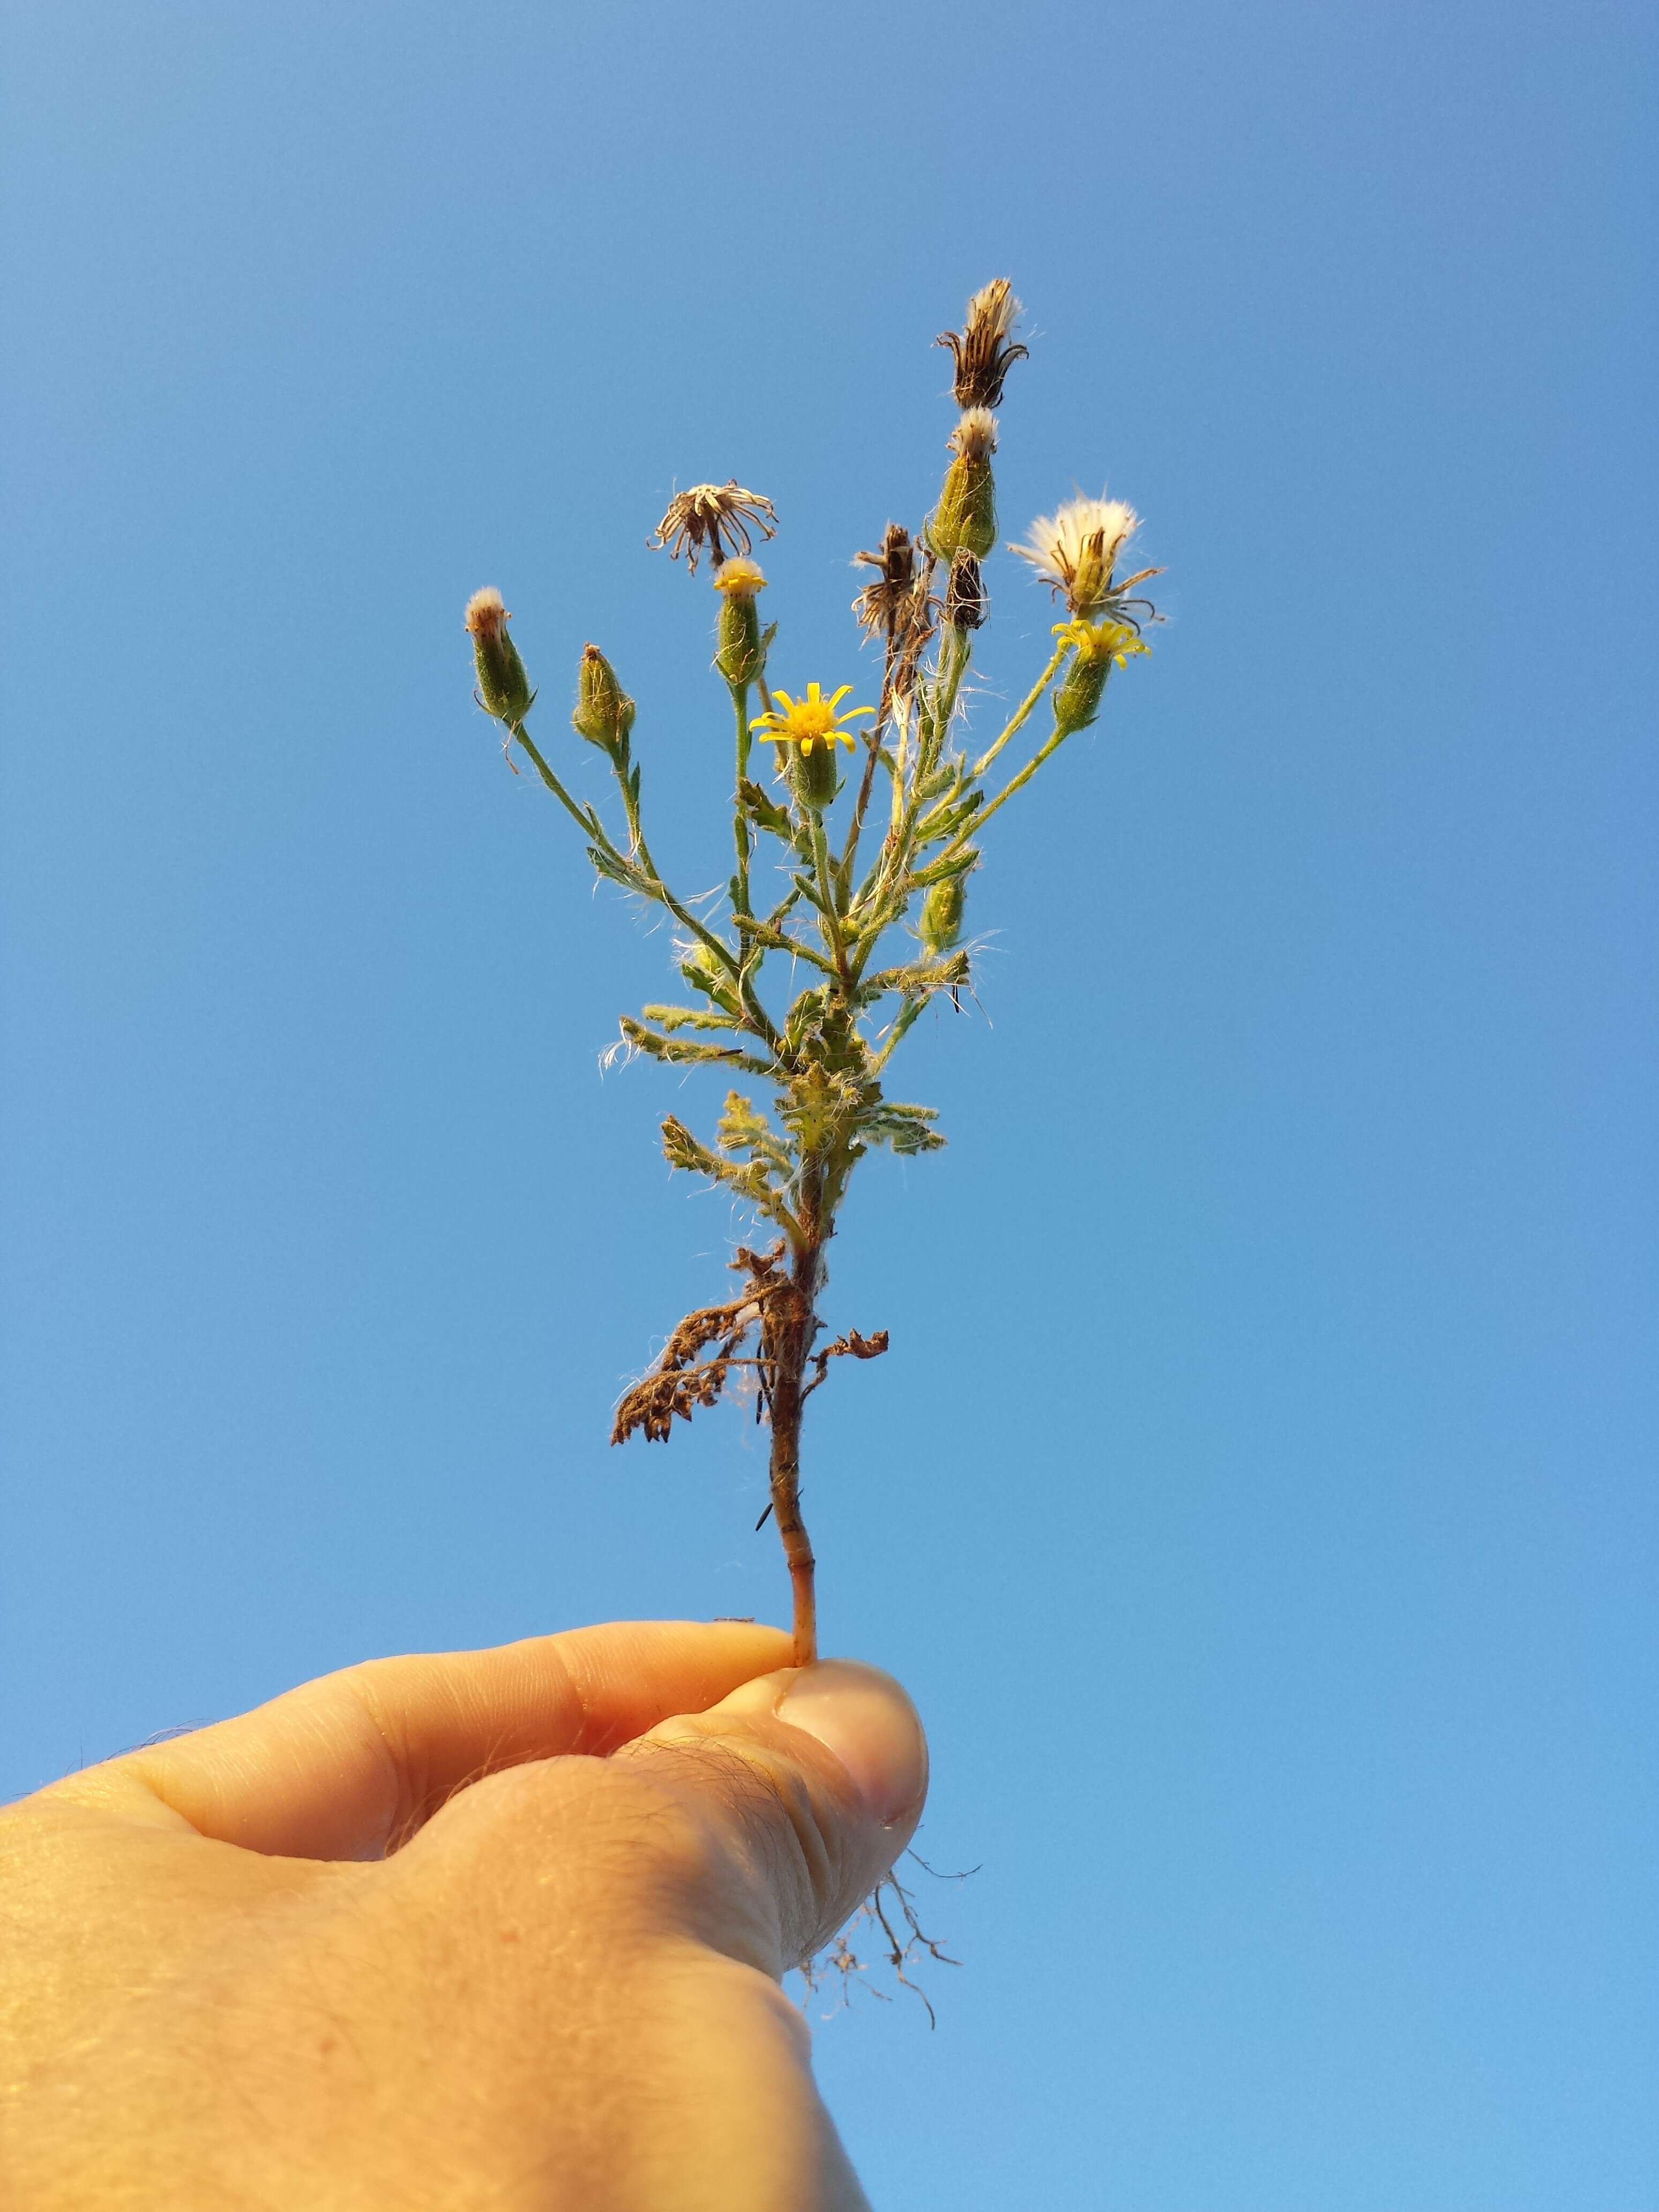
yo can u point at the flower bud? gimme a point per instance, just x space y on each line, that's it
740 647
941 915
605 713
813 773
502 684
965 520
1098 644
1077 700
702 971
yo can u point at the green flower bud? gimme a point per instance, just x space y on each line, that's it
965 520
605 713
502 684
1076 700
1098 644
814 775
740 647
703 972
941 913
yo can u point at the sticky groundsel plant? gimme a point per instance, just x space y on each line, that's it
855 860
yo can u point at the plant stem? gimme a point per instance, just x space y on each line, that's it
892 867
860 805
831 917
1023 709
740 818
589 820
789 1324
1055 741
640 858
904 1022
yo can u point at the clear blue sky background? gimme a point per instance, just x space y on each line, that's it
1259 1496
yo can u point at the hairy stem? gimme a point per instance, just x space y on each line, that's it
866 782
1055 740
1023 708
640 859
739 819
830 921
589 820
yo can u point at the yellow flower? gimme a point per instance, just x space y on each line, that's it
741 579
1101 641
809 721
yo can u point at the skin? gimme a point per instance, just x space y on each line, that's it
498 1929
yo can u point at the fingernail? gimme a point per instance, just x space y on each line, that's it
865 1719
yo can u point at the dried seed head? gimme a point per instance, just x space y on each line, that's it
966 600
717 516
975 436
1075 549
605 713
983 349
881 607
502 684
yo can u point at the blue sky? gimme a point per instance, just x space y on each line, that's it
1259 1496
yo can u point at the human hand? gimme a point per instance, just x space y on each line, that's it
498 1928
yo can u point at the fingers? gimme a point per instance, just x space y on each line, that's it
755 1827
350 1765
816 1778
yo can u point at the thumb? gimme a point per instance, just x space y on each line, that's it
804 1787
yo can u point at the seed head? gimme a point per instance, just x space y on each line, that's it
717 516
502 684
881 607
983 349
1075 549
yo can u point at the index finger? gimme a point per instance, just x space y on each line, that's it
350 1765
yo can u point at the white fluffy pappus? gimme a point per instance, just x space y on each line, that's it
1097 528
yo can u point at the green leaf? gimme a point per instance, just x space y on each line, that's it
681 1053
619 871
687 1017
764 809
905 1129
951 864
